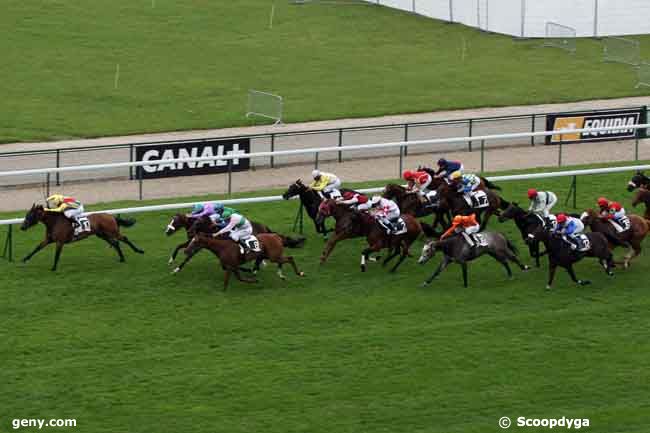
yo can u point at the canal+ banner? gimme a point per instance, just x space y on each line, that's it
194 149
622 119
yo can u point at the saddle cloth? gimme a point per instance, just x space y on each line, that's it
622 225
83 226
479 239
252 244
400 227
583 243
477 199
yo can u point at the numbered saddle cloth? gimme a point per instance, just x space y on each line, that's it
480 239
400 227
622 224
477 199
252 244
582 242
83 225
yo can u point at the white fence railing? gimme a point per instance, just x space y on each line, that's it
175 206
316 150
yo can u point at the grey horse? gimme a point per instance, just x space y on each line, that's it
456 249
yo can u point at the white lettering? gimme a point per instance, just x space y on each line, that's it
167 155
207 153
148 156
183 153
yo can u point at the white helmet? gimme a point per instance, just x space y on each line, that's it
375 200
315 173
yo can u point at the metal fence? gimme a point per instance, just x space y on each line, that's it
643 74
263 104
560 36
337 138
621 50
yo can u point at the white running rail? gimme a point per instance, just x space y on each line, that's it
175 206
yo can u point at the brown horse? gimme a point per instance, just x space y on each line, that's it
631 239
643 196
459 206
231 258
349 224
58 230
413 204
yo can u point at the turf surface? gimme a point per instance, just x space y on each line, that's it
129 347
189 64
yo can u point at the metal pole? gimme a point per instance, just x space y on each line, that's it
636 148
595 18
559 153
58 164
140 174
131 149
401 161
272 150
406 138
10 239
316 161
532 129
482 156
47 184
523 17
413 6
470 134
575 192
340 144
451 11
229 177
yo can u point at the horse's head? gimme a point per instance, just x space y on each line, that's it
428 251
393 191
33 216
588 216
641 196
179 221
201 225
637 180
510 212
538 234
294 189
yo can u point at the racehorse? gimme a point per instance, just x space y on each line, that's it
527 223
639 180
310 200
631 239
58 230
559 253
485 183
231 258
456 249
643 196
411 203
459 206
205 225
351 224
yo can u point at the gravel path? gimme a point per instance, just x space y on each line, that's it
354 170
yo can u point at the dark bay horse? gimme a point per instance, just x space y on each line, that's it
205 225
559 253
459 206
456 249
527 223
639 180
231 258
485 183
643 196
631 239
58 230
412 203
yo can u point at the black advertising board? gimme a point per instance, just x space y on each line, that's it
621 118
198 149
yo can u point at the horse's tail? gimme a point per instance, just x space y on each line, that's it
124 222
490 185
512 246
291 242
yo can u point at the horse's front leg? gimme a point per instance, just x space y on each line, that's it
57 254
177 249
441 267
39 247
187 258
329 246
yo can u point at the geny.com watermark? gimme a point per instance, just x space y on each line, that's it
17 423
550 423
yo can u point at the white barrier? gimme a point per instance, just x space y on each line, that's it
316 150
175 206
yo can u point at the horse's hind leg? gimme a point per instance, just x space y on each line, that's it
129 243
394 252
39 247
574 278
113 243
242 279
57 254
552 267
504 262
510 255
463 266
292 262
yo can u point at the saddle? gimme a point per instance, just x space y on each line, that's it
477 199
396 228
81 225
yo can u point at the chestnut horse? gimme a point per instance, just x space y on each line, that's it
643 196
58 230
231 258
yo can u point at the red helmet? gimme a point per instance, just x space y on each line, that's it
408 175
532 193
603 202
616 206
561 218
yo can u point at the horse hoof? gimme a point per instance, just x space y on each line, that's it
610 273
374 259
526 268
176 270
425 284
170 261
584 282
363 269
301 274
548 287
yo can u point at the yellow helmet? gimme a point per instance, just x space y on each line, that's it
55 200
456 175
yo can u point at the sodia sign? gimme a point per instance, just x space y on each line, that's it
621 119
201 149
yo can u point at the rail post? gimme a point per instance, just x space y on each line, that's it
636 148
482 156
272 150
573 192
559 153
297 222
229 177
139 172
58 164
7 252
316 161
47 184
532 129
469 143
401 162
340 144
406 135
131 150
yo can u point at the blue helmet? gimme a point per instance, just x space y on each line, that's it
442 162
218 208
197 208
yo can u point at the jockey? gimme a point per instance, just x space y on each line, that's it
419 181
353 199
618 218
239 229
200 210
603 206
467 225
541 202
446 168
466 184
570 228
71 208
385 211
326 184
